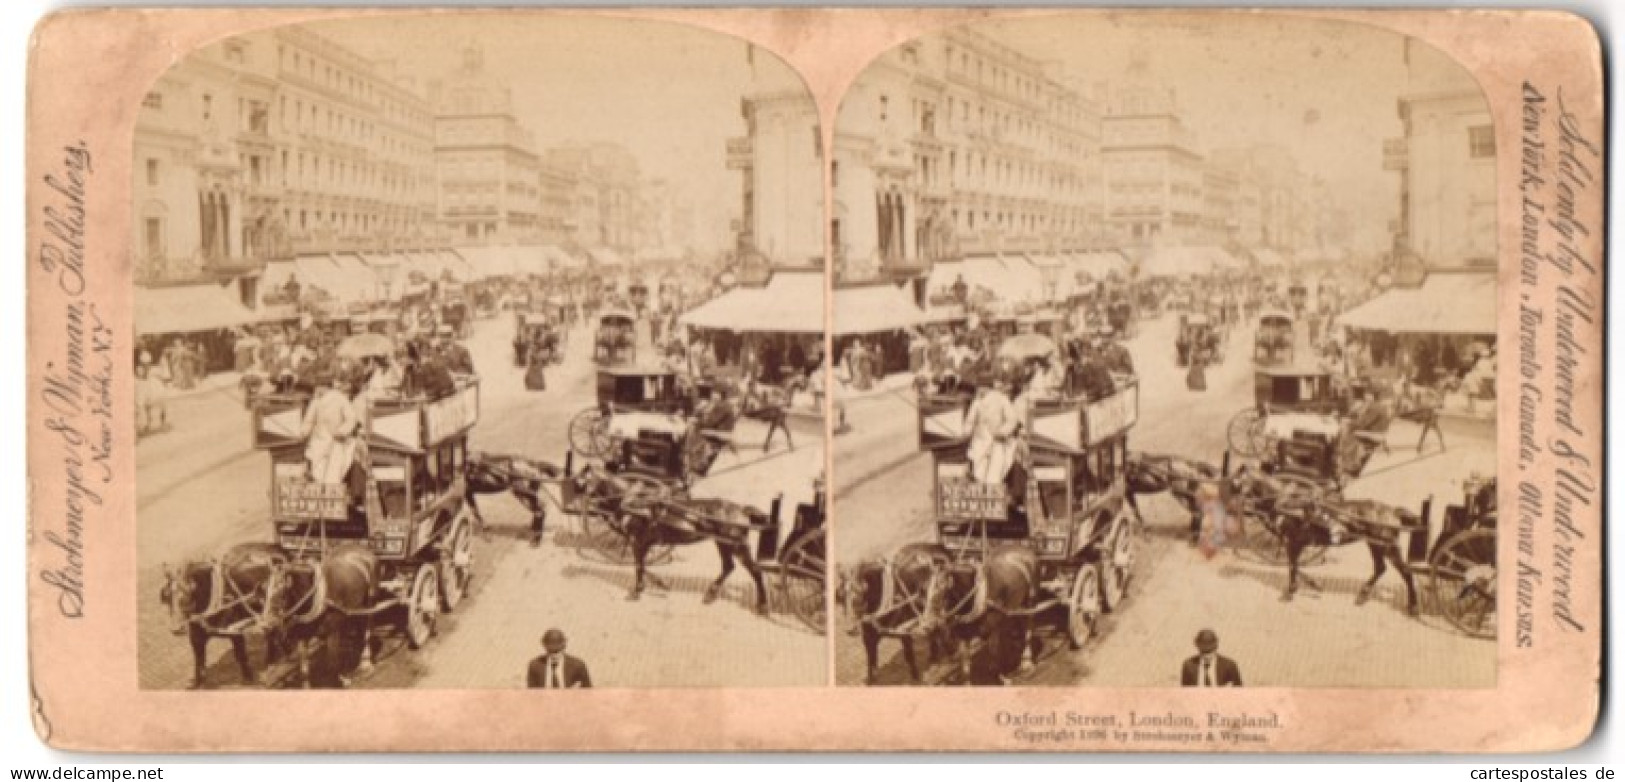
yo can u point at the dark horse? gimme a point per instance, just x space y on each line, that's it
768 404
224 597
322 610
894 599
922 592
1180 477
497 473
1332 521
649 515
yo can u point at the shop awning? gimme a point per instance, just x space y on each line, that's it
872 309
189 308
1223 260
791 303
1270 259
1099 264
360 280
1176 262
459 268
604 256
1445 303
324 273
558 259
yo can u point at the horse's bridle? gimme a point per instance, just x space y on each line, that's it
224 595
925 615
314 599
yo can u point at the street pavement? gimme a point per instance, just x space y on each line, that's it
882 496
202 488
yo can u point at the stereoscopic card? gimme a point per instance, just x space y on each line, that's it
828 380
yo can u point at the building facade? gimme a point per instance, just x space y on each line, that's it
206 189
604 184
958 143
488 171
780 163
1446 164
355 148
1155 172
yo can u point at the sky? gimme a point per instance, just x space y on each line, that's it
1325 91
671 94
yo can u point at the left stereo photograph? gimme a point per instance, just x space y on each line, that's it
479 352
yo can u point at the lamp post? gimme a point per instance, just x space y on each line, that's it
386 275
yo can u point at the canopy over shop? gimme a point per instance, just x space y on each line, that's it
1437 326
207 316
781 323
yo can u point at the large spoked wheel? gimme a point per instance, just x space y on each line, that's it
802 578
1084 611
1118 566
457 568
603 539
1464 581
1246 433
697 456
589 434
1263 541
422 606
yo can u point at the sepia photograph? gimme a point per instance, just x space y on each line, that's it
1191 375
758 373
477 352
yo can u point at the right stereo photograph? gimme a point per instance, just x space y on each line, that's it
1164 355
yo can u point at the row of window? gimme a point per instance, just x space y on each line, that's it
351 85
298 115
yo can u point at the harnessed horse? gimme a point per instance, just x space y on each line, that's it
1332 521
322 607
520 476
228 597
1179 476
920 591
648 515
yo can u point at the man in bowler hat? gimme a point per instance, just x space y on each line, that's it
1209 668
556 670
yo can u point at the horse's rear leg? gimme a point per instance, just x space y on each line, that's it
640 552
479 518
755 572
1404 569
364 665
1035 645
871 653
908 655
199 640
1378 567
1294 547
538 515
239 650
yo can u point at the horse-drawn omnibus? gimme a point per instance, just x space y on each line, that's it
1197 334
616 339
1069 508
1275 340
412 516
538 336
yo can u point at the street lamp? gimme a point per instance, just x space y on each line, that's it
386 275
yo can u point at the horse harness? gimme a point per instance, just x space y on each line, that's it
923 618
225 595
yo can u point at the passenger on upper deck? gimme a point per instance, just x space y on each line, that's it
329 426
992 422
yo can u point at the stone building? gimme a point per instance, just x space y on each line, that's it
489 173
958 143
1446 164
